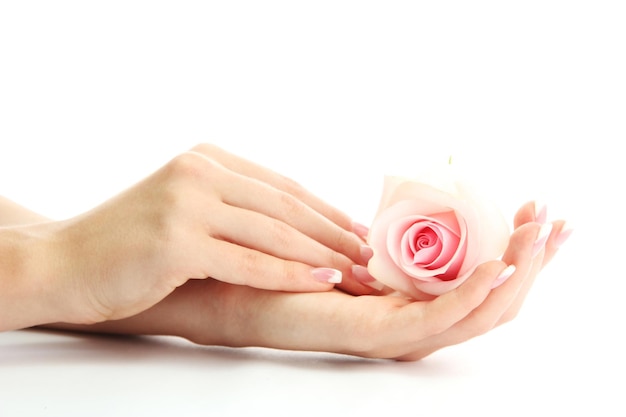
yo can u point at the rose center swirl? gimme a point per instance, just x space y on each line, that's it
427 244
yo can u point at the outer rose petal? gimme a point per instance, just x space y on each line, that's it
483 233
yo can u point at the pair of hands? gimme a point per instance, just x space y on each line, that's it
258 245
375 326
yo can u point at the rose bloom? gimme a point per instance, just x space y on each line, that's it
429 236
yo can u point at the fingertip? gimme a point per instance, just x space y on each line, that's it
531 211
524 214
360 230
327 275
564 232
524 236
540 211
561 232
362 275
503 276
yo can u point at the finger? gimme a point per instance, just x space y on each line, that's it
273 237
254 195
525 246
561 232
532 211
542 257
280 182
228 184
243 266
425 319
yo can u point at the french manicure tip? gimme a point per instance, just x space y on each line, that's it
541 211
564 234
330 275
507 272
542 237
504 275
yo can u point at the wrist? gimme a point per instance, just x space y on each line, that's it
33 290
22 289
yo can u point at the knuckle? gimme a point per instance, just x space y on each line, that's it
256 272
337 260
207 149
184 165
292 187
280 234
291 206
249 268
288 275
342 240
191 166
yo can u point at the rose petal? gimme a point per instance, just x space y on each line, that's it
411 209
447 230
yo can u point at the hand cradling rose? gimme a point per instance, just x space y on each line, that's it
429 236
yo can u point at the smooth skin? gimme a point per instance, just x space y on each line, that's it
205 214
375 326
225 312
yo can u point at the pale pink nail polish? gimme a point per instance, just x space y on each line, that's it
361 274
366 253
563 235
542 238
541 212
330 275
360 230
504 275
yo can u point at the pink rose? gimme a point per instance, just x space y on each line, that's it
428 238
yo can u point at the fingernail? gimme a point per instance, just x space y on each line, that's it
504 275
541 212
366 253
542 238
361 274
360 230
329 275
563 235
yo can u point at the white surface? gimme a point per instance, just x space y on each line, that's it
529 98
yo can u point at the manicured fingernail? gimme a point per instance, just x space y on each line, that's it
563 235
360 230
361 274
541 212
542 238
329 275
504 275
366 253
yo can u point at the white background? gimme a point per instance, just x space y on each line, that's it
528 97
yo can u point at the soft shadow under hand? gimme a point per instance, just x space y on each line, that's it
50 347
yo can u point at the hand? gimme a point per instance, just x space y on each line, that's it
205 214
212 312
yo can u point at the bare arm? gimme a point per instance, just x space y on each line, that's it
13 214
